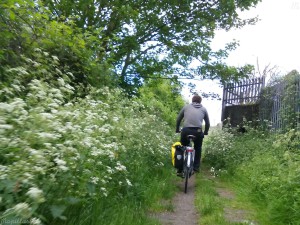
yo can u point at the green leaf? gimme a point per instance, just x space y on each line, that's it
12 15
57 211
91 188
72 200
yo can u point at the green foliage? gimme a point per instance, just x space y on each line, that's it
143 38
267 164
61 156
283 92
21 80
71 147
163 98
216 148
17 30
30 28
109 43
274 175
290 111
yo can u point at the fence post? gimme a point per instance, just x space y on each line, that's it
224 101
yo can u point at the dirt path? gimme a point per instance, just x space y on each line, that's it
232 213
184 211
184 207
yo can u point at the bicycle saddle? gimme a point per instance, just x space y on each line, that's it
191 137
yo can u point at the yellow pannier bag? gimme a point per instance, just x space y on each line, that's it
177 154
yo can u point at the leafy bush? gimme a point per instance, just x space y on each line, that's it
163 98
267 164
26 26
61 156
274 177
216 147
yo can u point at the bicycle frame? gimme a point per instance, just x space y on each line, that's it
189 156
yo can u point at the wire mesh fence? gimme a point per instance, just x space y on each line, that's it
280 103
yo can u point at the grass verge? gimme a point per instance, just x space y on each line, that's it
221 202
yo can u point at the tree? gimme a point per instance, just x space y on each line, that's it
162 97
158 38
25 27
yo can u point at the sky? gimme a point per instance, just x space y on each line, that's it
274 40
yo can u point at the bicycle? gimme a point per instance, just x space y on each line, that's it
188 165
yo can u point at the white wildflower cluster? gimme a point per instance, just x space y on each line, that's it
35 221
36 194
19 70
47 135
103 191
3 172
61 164
247 222
48 141
160 164
213 172
128 182
120 167
21 210
220 141
95 180
96 152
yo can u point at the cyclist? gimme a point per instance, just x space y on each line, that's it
193 115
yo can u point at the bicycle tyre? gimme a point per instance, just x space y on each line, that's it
186 178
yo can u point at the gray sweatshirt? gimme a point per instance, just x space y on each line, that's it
193 115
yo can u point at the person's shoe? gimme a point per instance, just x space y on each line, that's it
196 170
180 174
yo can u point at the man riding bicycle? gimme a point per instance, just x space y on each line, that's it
193 115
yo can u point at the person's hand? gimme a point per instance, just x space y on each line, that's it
178 130
205 132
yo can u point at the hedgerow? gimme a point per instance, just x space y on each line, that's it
68 160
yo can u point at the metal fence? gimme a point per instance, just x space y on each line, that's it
242 93
278 103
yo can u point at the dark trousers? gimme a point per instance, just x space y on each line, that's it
197 132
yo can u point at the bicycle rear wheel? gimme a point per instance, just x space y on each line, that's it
186 179
187 170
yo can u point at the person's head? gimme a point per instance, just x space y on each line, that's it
196 99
